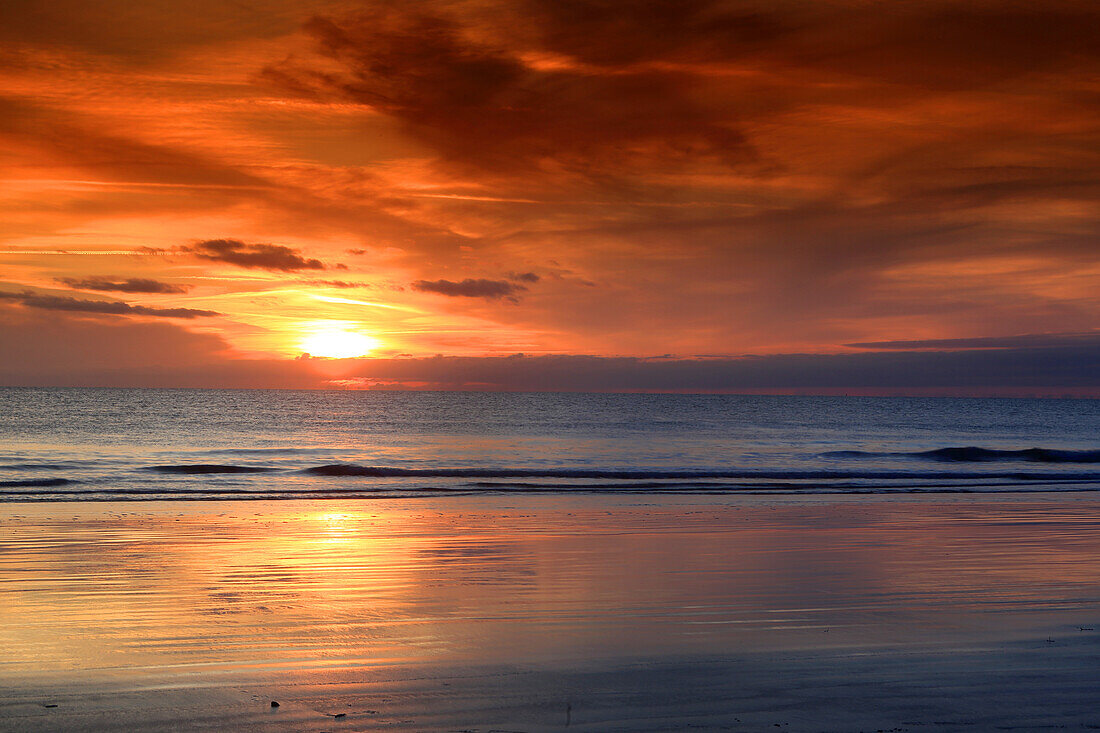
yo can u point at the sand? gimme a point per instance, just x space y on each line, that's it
543 613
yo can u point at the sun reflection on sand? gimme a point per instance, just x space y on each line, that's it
160 577
337 523
315 594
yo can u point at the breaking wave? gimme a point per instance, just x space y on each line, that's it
355 470
973 454
190 481
203 468
38 483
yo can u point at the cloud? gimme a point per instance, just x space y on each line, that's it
750 176
257 256
600 33
1022 371
783 163
1029 340
468 91
586 86
952 46
470 288
77 139
129 285
142 31
106 307
1070 367
64 349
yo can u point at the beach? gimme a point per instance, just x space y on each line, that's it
537 613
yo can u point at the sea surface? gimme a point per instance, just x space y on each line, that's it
540 562
114 444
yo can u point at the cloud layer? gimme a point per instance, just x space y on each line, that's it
566 178
1020 372
470 288
128 285
260 256
104 307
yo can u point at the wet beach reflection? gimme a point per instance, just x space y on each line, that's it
323 595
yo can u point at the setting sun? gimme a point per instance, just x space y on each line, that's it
337 340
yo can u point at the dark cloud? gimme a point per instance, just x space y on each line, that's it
468 94
470 288
61 349
651 82
65 349
258 256
524 277
129 285
106 307
604 33
959 46
782 162
1043 371
1070 367
1030 340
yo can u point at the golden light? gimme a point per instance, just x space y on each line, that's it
336 340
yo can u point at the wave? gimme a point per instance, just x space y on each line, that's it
351 480
202 468
34 466
39 482
267 451
1033 455
355 470
352 469
973 454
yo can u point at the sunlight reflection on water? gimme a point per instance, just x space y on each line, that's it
231 588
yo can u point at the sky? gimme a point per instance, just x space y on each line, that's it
827 196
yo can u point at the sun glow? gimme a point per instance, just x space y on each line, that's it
337 340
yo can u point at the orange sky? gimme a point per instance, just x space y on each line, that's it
196 190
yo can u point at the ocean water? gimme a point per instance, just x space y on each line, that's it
112 444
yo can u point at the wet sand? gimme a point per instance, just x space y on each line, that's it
539 613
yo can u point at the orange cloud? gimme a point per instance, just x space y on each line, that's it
261 256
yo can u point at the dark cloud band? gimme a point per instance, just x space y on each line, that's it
257 256
129 285
106 307
471 288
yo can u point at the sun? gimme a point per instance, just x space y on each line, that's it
337 341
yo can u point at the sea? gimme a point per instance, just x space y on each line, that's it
145 444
